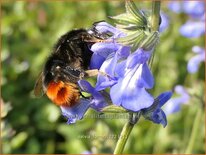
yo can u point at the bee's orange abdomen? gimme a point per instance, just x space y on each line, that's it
63 94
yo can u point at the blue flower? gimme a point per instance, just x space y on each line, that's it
174 104
193 29
192 8
97 101
128 74
195 61
195 26
175 6
101 51
134 77
154 113
109 66
77 111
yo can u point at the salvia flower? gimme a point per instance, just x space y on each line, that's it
175 6
195 26
195 61
72 114
192 8
96 102
154 113
175 103
132 82
122 60
193 29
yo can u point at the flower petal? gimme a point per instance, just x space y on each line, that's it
172 106
163 98
107 67
76 112
193 29
194 8
104 27
141 76
97 101
183 92
124 51
104 49
175 6
130 96
136 99
96 61
138 57
120 68
194 63
159 117
146 77
198 49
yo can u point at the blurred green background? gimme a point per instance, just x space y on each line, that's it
35 125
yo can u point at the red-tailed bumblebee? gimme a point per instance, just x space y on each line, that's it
68 63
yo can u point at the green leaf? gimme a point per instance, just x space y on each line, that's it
124 19
132 9
114 109
132 38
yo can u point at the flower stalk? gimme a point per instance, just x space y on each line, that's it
155 15
126 132
194 132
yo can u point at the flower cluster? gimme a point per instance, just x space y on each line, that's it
122 60
195 26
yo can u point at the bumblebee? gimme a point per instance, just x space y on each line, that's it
68 63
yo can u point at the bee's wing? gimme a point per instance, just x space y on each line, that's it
38 88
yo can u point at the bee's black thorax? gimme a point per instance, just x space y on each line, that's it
72 48
71 55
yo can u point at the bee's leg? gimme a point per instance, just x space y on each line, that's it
94 72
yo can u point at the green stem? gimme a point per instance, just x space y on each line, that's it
155 15
126 132
195 132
